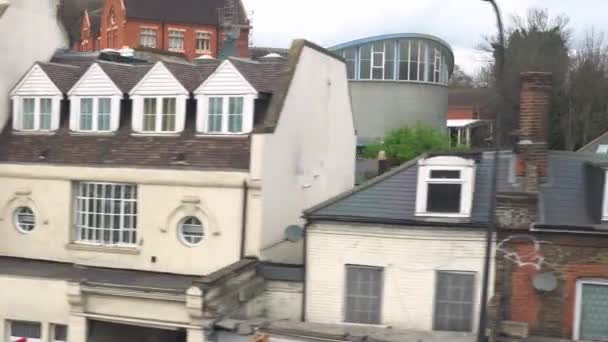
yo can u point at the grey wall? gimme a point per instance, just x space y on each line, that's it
381 106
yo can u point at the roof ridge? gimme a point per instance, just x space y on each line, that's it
364 186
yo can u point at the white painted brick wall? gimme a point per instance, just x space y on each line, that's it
283 300
410 257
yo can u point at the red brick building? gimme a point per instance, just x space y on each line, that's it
552 251
189 27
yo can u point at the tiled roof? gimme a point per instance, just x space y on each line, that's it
183 151
566 195
392 196
125 76
203 12
189 75
63 76
265 76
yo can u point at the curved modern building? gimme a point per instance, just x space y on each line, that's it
397 80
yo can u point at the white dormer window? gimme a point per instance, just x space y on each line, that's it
36 113
225 114
445 187
36 102
159 114
95 102
95 114
225 102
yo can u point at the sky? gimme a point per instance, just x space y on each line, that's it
462 23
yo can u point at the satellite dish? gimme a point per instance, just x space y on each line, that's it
545 282
294 233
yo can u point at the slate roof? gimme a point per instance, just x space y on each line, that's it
124 149
564 199
62 75
191 76
125 76
392 196
264 76
204 12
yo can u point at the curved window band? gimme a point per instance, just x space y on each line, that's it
397 60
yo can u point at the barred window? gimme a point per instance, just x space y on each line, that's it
176 39
147 37
363 294
106 213
25 220
454 301
191 231
203 41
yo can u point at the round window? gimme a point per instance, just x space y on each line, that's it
191 231
25 220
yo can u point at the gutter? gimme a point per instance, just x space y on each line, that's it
244 218
351 219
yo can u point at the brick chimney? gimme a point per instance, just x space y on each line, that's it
519 209
531 148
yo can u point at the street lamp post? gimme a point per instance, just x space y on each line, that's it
491 228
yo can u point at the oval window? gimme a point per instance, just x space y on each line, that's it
191 231
25 220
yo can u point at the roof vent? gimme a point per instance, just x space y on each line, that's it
272 55
205 57
126 52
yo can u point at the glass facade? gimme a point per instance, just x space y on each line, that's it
411 59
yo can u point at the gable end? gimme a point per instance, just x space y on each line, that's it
95 82
36 82
159 81
226 80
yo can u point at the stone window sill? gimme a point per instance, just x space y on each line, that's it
103 249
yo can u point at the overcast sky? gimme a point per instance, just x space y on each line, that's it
462 23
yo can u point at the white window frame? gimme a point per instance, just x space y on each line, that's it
200 35
148 36
247 115
9 332
174 35
602 149
466 167
94 114
184 237
159 114
82 211
18 107
383 58
576 331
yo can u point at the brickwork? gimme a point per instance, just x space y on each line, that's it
570 258
117 31
516 210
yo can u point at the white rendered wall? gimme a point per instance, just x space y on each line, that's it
410 258
311 155
30 32
164 198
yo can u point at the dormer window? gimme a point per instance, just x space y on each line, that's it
225 114
159 115
36 113
95 114
445 187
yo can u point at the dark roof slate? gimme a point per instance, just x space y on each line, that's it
191 76
123 149
392 196
203 12
125 76
63 76
264 76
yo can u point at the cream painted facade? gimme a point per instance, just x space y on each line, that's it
308 158
410 258
31 44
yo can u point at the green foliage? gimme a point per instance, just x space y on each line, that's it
407 143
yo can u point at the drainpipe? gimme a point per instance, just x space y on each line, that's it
304 256
244 219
